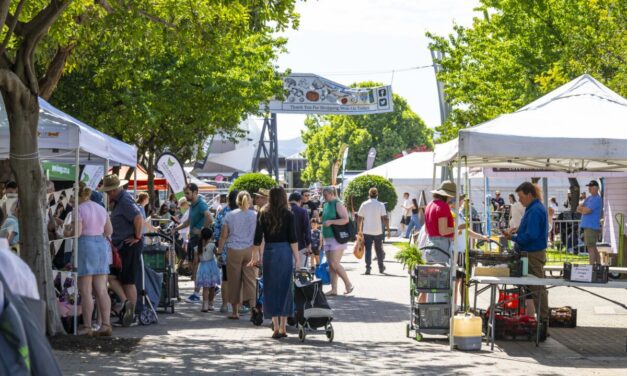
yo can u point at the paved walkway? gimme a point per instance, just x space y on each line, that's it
369 339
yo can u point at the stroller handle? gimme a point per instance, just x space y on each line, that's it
158 235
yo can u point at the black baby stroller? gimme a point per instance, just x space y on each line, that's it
312 311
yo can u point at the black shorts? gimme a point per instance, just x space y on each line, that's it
192 244
131 262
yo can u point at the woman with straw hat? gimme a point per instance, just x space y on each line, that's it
440 224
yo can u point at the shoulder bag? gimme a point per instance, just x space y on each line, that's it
346 232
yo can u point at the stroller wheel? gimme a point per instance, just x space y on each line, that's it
302 334
330 333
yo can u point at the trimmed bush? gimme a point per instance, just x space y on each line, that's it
357 191
251 182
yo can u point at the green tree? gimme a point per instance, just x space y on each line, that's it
519 50
390 133
198 75
357 191
252 182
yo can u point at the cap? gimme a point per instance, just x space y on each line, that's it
593 183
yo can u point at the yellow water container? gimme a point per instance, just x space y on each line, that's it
467 333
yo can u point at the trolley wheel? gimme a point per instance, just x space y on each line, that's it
418 337
614 275
330 334
301 333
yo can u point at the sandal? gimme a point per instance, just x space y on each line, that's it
233 317
104 331
349 290
84 331
330 293
277 335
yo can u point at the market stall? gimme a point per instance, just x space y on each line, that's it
577 127
62 138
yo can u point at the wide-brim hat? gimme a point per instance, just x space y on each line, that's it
263 192
447 188
111 182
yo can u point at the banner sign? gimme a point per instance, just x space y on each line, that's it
307 93
372 154
92 175
59 171
171 168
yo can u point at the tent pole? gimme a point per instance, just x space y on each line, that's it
453 263
106 171
75 245
433 182
135 182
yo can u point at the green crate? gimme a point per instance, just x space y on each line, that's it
155 260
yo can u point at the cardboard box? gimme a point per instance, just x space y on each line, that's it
491 271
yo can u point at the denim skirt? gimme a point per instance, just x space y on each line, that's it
278 280
93 255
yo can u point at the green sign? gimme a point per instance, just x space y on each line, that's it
59 171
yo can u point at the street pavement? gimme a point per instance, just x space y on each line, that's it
369 339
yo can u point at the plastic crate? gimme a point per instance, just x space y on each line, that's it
429 277
600 273
434 316
155 259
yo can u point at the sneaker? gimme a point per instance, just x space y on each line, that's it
367 272
382 270
224 308
243 310
193 298
129 314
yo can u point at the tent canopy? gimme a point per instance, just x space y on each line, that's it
580 126
60 135
413 168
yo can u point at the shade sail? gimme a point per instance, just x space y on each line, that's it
580 126
61 134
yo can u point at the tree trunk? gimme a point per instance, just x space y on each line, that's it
23 115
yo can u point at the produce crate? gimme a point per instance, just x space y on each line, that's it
431 277
600 272
434 316
563 317
491 271
155 259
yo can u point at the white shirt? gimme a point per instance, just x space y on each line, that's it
517 211
406 208
371 211
16 273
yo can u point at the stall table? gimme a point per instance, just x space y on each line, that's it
530 280
560 268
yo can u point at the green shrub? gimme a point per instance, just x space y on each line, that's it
357 191
251 182
408 255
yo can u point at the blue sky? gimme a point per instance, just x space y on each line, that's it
358 40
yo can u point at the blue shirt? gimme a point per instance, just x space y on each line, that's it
11 225
593 219
534 228
197 214
122 217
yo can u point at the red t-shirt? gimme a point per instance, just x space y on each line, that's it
435 210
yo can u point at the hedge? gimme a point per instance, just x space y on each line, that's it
357 191
251 182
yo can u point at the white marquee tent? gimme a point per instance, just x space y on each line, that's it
60 135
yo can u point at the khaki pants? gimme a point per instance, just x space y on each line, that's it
242 278
536 264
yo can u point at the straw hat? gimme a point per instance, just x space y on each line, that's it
447 188
263 192
111 182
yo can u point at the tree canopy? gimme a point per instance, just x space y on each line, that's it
516 51
390 133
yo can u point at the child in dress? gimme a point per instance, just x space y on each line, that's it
316 243
208 274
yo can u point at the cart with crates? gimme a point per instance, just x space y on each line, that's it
430 304
159 255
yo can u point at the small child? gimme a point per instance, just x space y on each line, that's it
316 243
208 274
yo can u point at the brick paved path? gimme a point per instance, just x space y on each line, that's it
369 339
